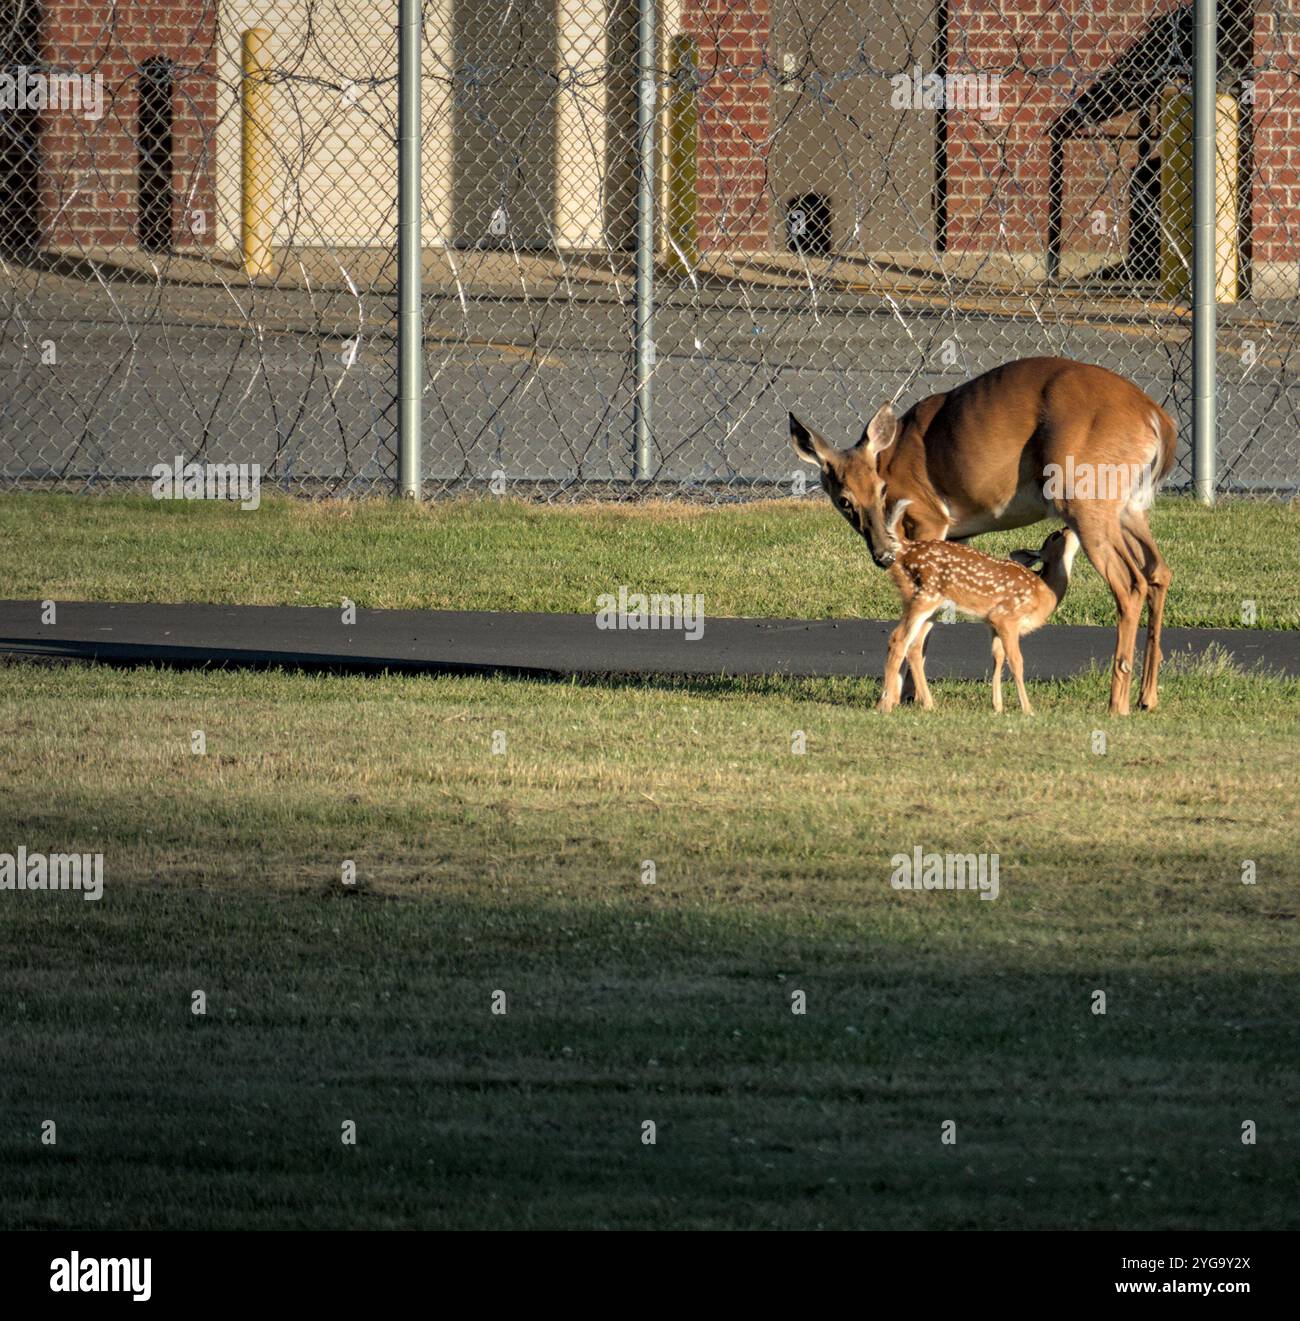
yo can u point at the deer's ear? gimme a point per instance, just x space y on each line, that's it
881 431
808 445
1026 557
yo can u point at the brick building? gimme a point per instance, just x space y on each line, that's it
131 175
1053 164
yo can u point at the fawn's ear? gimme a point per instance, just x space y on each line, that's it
1026 557
809 446
881 431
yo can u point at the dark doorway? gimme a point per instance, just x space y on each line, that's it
154 139
504 124
939 197
1143 264
19 132
1237 69
808 225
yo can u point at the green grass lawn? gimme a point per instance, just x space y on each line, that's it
523 872
786 559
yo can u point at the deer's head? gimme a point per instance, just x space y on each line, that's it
852 479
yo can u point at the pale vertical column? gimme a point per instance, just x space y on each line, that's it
1178 196
436 171
670 25
1226 152
580 124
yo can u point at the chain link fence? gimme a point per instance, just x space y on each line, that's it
857 200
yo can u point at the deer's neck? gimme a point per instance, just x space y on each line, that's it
903 469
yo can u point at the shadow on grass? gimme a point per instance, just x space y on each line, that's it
1206 677
501 1058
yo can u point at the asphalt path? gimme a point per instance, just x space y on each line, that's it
555 645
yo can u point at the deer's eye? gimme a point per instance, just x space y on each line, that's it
846 504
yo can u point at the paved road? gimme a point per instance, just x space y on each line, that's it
543 392
558 645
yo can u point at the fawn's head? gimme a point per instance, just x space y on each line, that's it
852 479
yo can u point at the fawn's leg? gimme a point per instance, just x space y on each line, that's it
999 654
1011 640
908 693
924 530
900 642
916 667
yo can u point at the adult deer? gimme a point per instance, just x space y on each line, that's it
979 458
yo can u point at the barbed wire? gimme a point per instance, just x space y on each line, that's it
857 202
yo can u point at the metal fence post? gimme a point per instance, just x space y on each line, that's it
410 328
1205 205
645 230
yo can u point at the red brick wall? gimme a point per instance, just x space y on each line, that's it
998 173
1095 210
735 103
89 169
1046 53
1275 199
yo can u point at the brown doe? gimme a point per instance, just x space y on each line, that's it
1031 439
1014 600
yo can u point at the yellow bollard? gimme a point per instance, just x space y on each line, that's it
257 162
683 136
1176 198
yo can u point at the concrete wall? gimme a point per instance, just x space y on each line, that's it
334 107
528 121
836 130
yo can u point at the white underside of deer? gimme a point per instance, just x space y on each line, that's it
1025 507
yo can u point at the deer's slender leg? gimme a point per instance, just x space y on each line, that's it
1158 576
900 643
907 693
916 667
999 655
1016 662
922 530
1102 539
891 690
